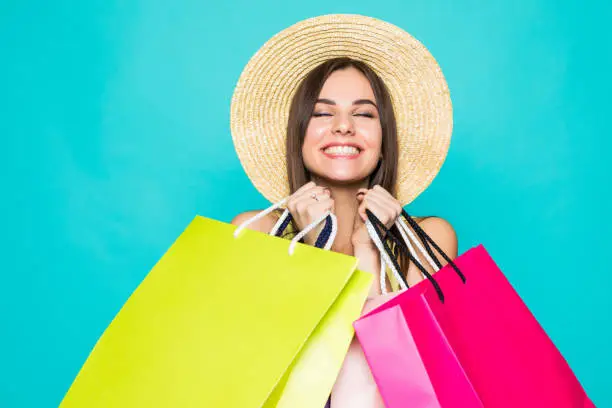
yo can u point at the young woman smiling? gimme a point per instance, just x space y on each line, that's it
331 132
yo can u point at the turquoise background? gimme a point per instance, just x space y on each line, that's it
114 120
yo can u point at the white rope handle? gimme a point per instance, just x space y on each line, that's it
259 216
280 222
313 225
383 276
403 229
409 237
408 243
301 234
385 260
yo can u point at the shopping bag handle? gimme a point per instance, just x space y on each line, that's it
426 239
259 216
383 255
426 251
322 240
386 257
400 223
313 225
379 231
325 239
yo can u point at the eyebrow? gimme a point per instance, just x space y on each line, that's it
356 102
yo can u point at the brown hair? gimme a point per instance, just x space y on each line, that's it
302 106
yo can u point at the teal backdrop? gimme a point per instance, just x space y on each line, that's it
114 121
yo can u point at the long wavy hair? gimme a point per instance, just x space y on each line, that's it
300 113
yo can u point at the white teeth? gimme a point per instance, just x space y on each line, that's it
342 150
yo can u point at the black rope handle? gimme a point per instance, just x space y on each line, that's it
378 227
325 233
383 235
427 247
426 238
283 226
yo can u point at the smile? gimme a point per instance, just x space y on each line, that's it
342 151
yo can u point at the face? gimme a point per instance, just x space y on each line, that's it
343 138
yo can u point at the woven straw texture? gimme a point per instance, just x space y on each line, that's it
419 94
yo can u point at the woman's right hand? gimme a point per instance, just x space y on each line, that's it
305 209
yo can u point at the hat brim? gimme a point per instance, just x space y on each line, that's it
419 94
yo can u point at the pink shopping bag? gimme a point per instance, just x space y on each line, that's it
479 347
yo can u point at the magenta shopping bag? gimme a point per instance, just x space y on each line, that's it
479 347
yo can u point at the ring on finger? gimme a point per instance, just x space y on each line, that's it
314 196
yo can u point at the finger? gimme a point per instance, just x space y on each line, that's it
316 210
385 198
306 186
293 198
309 195
378 190
306 194
322 206
382 193
372 205
307 189
318 190
324 193
381 210
306 202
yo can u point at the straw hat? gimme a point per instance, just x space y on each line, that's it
419 94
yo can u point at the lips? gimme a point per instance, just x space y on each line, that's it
341 150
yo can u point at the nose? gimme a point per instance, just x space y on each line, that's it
343 125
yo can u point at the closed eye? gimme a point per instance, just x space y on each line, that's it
367 115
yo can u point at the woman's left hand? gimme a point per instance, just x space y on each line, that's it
382 204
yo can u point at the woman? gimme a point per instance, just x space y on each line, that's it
342 155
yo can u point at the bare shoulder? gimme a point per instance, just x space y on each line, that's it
436 225
442 232
263 225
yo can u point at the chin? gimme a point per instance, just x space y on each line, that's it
341 171
342 178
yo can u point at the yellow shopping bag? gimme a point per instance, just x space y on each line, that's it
224 321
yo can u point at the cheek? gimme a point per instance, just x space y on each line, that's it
313 137
372 137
